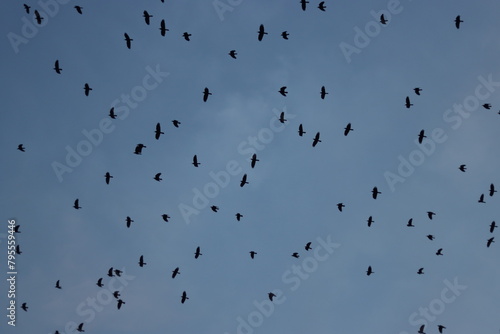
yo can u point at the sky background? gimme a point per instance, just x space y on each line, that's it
293 190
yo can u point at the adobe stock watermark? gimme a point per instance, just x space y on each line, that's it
437 306
30 28
222 178
292 279
223 6
94 137
454 117
89 307
372 29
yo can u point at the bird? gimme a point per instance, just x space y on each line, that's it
108 177
417 90
409 224
421 136
316 140
233 54
76 204
57 68
492 226
420 271
283 91
322 6
282 117
481 199
99 283
383 19
238 216
184 297
157 177
197 253
430 214
271 296
487 106
116 294
458 21
38 17
24 307
58 286
308 246
347 129
158 131
206 92
128 40
21 148
462 168
252 254
301 130
340 206
195 161
303 4
120 303
16 229
375 192
118 272
285 34
129 221
369 271
141 261
176 123
254 160
421 329
370 221
490 241
186 36
214 208
430 237
110 272
407 103
146 16
492 189
27 8
87 89
243 180
162 28
112 113
295 255
79 9
440 328
261 32
80 328
138 149
439 251
18 250
323 92
165 217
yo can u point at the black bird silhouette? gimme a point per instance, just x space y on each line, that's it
233 54
283 91
430 214
57 68
440 328
186 36
138 149
462 168
296 255
417 90
420 271
58 286
369 271
197 253
439 251
383 19
112 113
316 140
430 237
128 40
370 221
27 8
301 130
214 208
157 177
252 254
492 189
21 148
38 17
165 217
108 177
176 123
421 136
487 106
421 330
24 307
110 272
285 34
323 92
206 92
184 297
322 6
129 221
410 223
375 192
116 294
340 206
99 283
162 28
141 261
271 296
80 328
490 241
18 250
195 161
87 89
158 131
243 180
307 247
79 9
303 4
254 160
146 16
282 117
347 129
481 199
492 226
458 21
407 103
120 303
261 32
16 229
76 204
118 272
238 216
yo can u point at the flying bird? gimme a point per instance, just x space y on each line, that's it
120 303
162 28
296 255
38 17
421 136
407 103
116 294
316 140
430 237
383 19
439 251
138 149
303 4
57 68
420 271
261 32
27 8
492 189
487 106
462 168
108 177
186 36
157 177
18 250
301 130
112 113
283 91
440 328
238 216
233 54
87 89
118 272
458 21
375 192
308 246
80 328
252 254
323 92
128 40
492 226
214 208
184 297
243 180
58 286
176 123
271 296
197 253
369 271
410 223
282 117
348 129
370 221
110 272
24 307
129 221
146 16
195 161
322 6
99 283
285 34
76 205
158 131
490 241
430 214
417 90
141 261
165 217
340 206
254 160
421 330
206 92
21 148
16 229
79 9
481 199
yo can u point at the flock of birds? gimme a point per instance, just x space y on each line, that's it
195 162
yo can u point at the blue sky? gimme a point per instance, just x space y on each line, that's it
293 190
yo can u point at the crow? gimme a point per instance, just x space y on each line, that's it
407 103
79 9
16 229
369 271
157 177
120 303
80 328
410 223
261 32
430 237
308 246
283 91
110 272
440 328
323 92
197 253
99 283
481 199
296 255
303 4
420 271
129 221
38 17
24 307
492 226
282 117
285 34
118 272
233 54
87 89
417 90
146 16
254 160
138 149
21 148
252 254
430 214
383 19
340 206
58 286
57 68
184 297
492 189
487 106
347 129
214 208
301 130
195 161
141 261
18 250
206 92
162 28
375 192
271 296
316 140
243 180
176 123
322 6
490 241
158 131
27 8
128 40
186 36
116 294
76 205
458 21
238 216
421 136
462 168
108 177
439 251
165 217
421 330
370 221
112 113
